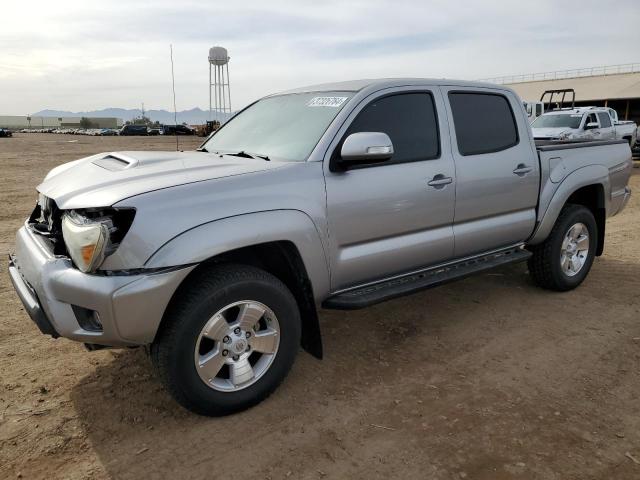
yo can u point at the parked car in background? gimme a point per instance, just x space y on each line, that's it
178 130
5 133
134 130
582 123
337 196
533 109
108 132
155 130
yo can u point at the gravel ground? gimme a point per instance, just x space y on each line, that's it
488 378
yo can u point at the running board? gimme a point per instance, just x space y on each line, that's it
368 295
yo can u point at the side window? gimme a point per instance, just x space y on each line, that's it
484 122
410 121
605 120
591 118
538 109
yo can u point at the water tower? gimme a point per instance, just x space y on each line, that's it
219 90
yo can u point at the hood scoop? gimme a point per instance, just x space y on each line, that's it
115 162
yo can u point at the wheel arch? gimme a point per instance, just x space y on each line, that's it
587 186
592 197
284 243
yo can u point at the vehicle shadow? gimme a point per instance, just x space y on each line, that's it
137 430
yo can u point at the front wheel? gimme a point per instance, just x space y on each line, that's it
564 259
228 340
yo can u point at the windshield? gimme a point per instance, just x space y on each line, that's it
571 120
284 127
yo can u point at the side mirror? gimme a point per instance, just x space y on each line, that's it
365 148
591 126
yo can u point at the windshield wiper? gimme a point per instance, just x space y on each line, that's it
241 153
244 154
202 149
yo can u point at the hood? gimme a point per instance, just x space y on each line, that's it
104 179
554 132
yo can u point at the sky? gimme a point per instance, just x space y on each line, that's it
86 55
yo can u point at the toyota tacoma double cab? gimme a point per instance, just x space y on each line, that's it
337 196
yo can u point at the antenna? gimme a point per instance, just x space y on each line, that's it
175 112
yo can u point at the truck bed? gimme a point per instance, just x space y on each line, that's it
607 163
549 145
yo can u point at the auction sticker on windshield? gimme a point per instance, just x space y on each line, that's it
326 101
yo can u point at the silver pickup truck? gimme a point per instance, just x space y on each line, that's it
583 123
336 196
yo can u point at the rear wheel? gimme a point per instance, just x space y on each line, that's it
564 259
228 341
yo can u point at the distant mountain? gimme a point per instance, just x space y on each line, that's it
195 116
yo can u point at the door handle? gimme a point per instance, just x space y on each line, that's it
522 169
439 181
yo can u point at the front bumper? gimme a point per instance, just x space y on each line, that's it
128 308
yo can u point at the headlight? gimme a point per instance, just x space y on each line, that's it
87 240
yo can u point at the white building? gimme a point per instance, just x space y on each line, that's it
17 122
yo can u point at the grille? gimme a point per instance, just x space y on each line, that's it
46 220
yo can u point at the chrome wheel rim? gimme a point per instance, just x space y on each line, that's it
575 249
237 346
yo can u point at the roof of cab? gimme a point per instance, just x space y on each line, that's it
380 83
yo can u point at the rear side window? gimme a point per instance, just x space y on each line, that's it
605 120
484 122
410 121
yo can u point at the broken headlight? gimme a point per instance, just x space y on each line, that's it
93 235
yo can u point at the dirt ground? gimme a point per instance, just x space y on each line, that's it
489 378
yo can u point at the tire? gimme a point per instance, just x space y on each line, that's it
205 298
545 266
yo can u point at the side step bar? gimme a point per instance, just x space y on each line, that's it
371 294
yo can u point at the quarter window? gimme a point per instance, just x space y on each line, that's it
410 121
484 122
605 120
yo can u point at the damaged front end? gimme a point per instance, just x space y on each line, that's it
87 235
55 271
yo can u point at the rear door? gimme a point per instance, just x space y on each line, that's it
497 171
607 132
392 217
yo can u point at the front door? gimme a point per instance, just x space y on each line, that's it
396 216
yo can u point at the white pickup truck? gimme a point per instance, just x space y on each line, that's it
583 123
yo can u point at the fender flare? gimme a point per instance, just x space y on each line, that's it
583 177
213 238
